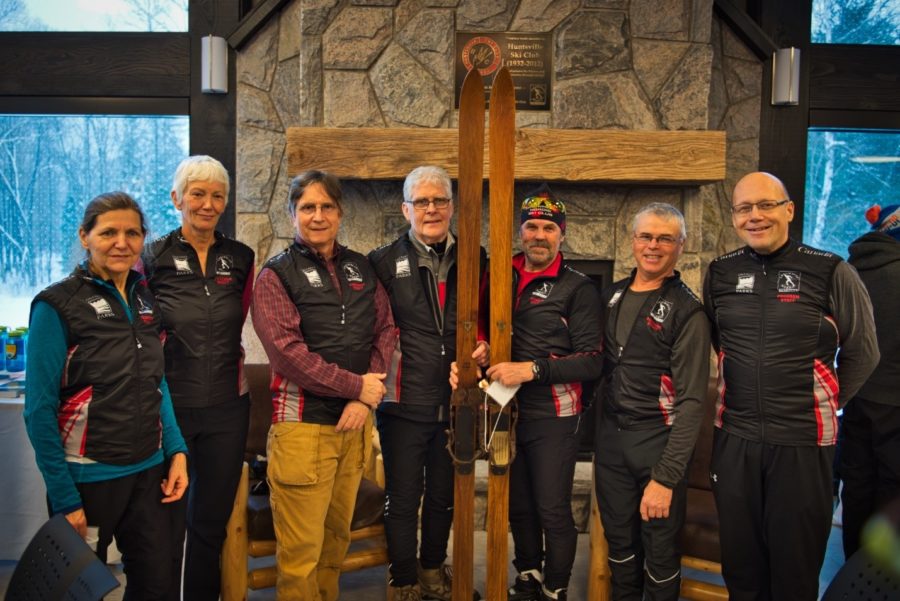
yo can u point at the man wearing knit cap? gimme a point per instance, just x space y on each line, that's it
555 348
870 431
783 314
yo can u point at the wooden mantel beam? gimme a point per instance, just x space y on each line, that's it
572 155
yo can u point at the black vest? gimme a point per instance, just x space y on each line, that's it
777 343
427 349
109 393
637 378
338 325
540 331
202 315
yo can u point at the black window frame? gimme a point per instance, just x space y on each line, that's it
854 86
104 73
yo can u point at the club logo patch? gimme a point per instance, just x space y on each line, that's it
312 276
353 276
224 265
788 281
615 298
541 293
402 268
661 310
101 307
745 283
182 266
788 286
145 309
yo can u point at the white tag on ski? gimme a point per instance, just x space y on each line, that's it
501 394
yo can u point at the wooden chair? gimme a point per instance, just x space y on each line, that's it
250 532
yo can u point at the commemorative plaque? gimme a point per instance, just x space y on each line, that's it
528 56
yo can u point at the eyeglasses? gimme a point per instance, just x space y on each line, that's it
327 208
421 204
764 206
663 240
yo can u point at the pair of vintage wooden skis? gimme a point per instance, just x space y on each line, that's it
467 402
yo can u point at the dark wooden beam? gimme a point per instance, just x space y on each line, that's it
746 28
857 77
253 22
88 64
103 105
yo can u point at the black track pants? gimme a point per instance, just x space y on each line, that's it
540 497
775 505
644 558
416 461
869 464
216 437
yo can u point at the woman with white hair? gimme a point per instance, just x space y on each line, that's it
203 281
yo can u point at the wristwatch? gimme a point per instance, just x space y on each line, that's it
536 370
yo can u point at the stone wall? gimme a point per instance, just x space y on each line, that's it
626 64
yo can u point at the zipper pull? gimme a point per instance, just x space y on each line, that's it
206 289
621 349
343 314
443 351
139 345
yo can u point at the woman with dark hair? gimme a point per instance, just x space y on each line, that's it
97 408
203 280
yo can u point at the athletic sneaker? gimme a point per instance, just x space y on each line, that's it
527 587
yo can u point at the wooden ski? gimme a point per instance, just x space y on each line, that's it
464 410
501 145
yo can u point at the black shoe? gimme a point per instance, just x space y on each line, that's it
527 587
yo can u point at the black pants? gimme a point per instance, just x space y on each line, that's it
869 464
216 437
416 460
130 509
775 505
623 462
540 497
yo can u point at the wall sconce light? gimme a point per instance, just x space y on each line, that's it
213 65
786 76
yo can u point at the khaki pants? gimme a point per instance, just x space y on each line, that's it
314 475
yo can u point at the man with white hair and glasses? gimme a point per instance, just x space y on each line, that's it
655 373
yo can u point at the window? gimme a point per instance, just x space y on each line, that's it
51 166
856 22
847 171
93 15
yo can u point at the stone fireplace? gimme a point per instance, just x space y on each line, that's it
618 64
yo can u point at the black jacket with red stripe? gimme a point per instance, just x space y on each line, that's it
777 341
556 323
637 373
